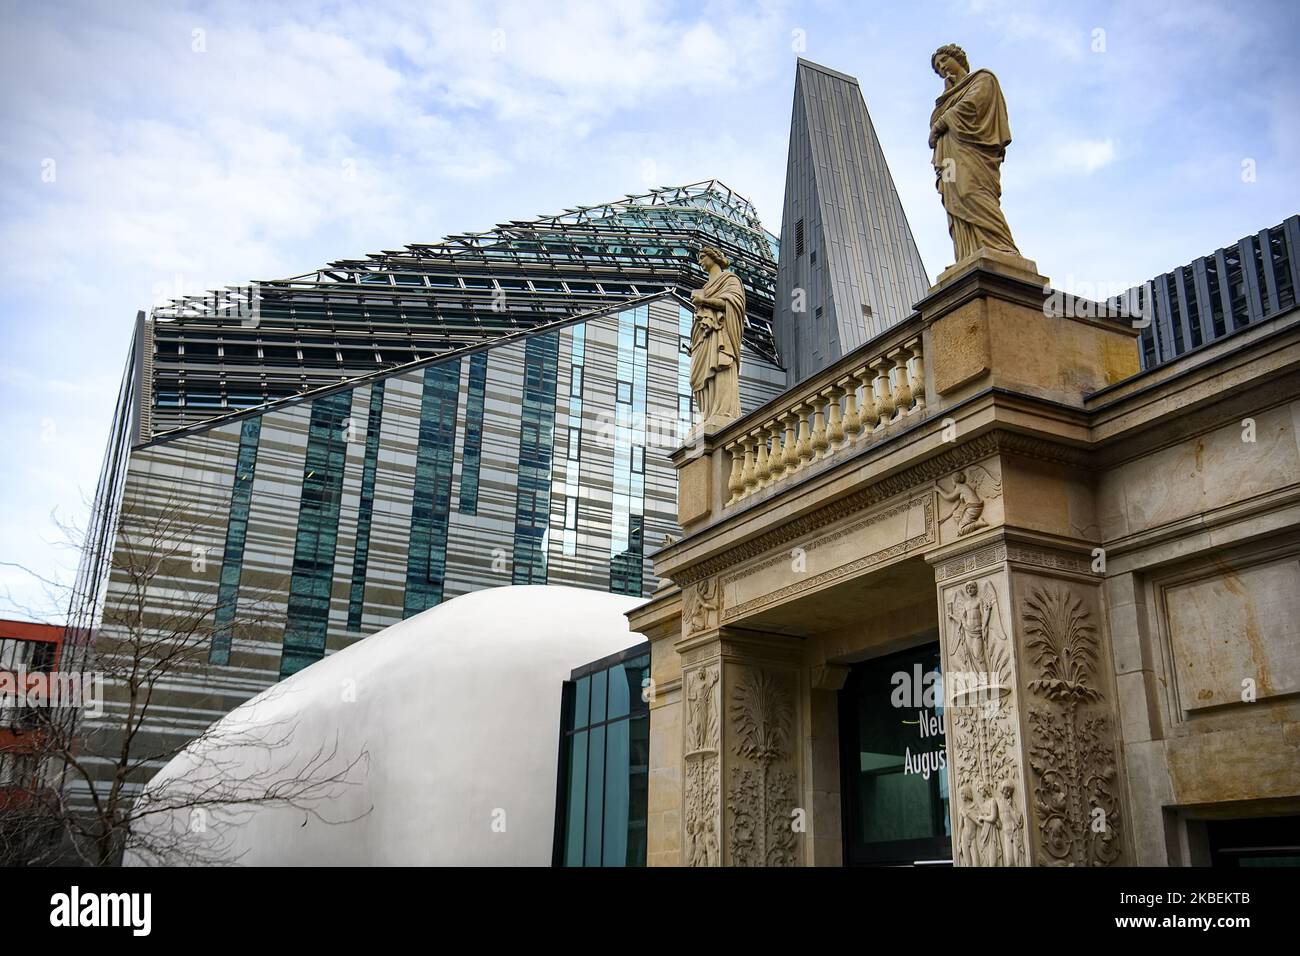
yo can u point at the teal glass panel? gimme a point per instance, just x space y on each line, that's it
638 784
232 560
472 455
599 682
426 562
575 823
366 507
595 796
617 796
582 702
619 699
307 617
536 446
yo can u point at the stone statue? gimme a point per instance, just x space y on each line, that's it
969 134
716 337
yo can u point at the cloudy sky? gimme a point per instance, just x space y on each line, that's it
152 148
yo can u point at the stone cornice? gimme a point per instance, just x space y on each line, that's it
1018 549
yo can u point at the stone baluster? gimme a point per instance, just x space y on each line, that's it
852 420
918 375
819 441
776 460
902 389
791 455
748 475
805 442
762 466
834 422
869 415
736 483
883 394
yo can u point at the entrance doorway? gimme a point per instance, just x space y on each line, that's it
893 761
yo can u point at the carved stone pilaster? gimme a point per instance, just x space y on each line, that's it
1034 771
986 767
740 749
702 756
1070 731
763 784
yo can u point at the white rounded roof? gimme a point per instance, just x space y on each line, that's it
457 711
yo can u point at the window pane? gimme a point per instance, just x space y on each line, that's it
595 795
616 795
576 789
618 693
582 700
638 789
598 696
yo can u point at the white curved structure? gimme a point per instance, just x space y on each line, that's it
458 712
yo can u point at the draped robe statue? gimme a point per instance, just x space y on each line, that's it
715 339
969 133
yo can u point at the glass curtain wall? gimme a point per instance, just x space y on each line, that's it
604 763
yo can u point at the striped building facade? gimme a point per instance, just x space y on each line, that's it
540 459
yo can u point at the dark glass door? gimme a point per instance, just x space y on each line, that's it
893 761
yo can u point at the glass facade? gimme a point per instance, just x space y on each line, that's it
536 441
472 456
366 507
604 761
307 618
627 533
232 560
893 760
426 566
573 438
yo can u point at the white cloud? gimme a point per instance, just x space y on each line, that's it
1085 155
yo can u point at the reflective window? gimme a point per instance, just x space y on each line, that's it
536 440
366 507
473 454
307 617
426 560
232 561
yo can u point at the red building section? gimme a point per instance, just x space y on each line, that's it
28 652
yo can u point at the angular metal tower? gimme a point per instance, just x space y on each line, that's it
849 267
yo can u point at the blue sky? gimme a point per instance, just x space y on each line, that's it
198 145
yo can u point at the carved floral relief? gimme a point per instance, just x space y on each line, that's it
1071 747
762 792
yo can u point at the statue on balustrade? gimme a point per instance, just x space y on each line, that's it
716 339
969 135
